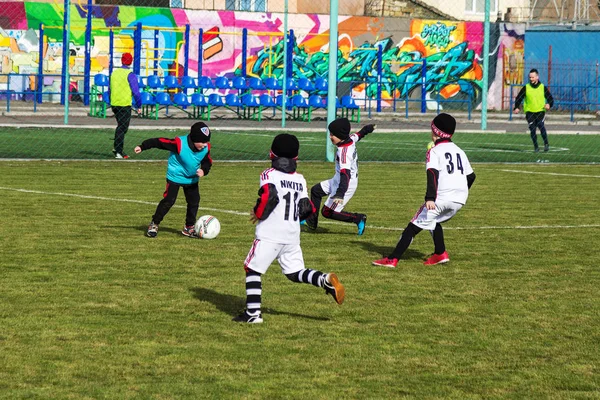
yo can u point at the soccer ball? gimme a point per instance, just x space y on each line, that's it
207 227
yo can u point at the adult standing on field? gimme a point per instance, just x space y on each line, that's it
123 87
536 99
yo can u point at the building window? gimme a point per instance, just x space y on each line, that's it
246 5
478 6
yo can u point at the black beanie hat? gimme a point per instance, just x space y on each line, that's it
200 133
340 128
285 145
443 125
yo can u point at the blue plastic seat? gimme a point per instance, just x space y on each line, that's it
147 99
163 99
199 100
240 83
141 83
233 100
187 82
350 109
299 101
348 102
181 100
215 100
288 102
153 82
291 84
316 101
272 83
222 83
256 84
204 82
101 80
249 100
321 85
171 82
306 85
266 100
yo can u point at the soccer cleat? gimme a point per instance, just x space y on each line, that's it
437 259
362 224
152 230
249 319
310 223
334 287
536 149
189 231
120 155
386 262
546 148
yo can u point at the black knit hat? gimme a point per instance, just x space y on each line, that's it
285 145
443 125
200 133
340 128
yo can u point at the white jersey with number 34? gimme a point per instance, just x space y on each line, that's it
454 166
282 225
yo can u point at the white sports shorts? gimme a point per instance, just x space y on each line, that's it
427 219
331 186
262 254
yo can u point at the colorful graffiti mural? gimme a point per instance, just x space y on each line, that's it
446 54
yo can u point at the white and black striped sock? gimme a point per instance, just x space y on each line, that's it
253 292
314 277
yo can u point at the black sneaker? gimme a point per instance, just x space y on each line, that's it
189 231
334 287
310 222
249 319
362 224
536 150
152 230
546 148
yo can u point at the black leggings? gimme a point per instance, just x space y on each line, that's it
123 117
536 120
192 197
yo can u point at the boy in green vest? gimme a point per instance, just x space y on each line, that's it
123 88
536 99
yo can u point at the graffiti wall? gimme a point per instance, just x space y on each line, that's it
447 54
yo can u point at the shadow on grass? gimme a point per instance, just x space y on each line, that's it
144 228
385 251
233 305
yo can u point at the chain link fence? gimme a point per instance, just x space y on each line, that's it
203 60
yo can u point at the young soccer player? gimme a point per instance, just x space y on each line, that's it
282 202
342 186
189 160
449 178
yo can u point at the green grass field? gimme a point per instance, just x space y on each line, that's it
91 308
60 143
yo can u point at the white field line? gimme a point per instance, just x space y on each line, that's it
549 173
247 214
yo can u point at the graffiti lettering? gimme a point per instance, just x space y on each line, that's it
437 35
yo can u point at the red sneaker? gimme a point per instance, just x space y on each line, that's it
386 262
437 259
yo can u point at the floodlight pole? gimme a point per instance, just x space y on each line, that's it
486 65
285 66
332 77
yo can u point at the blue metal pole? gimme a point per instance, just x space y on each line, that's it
200 51
379 76
244 50
137 48
186 62
332 74
486 65
285 63
88 60
424 87
40 82
290 54
65 53
111 46
66 77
